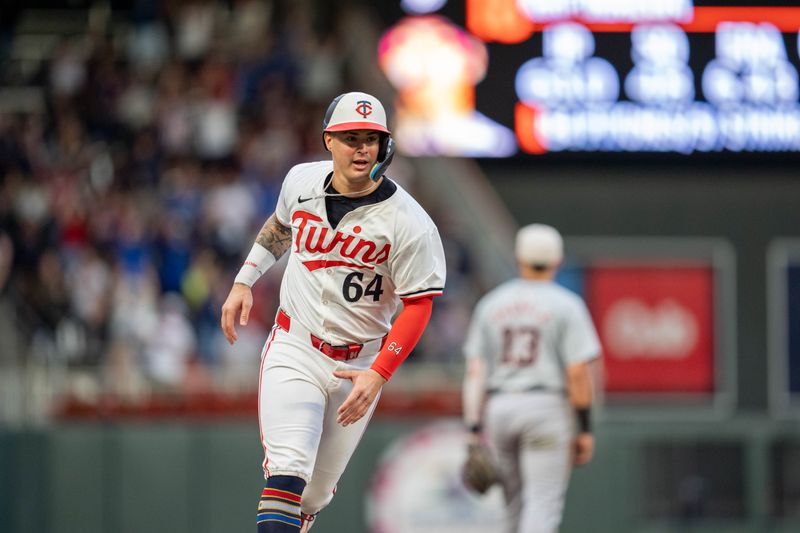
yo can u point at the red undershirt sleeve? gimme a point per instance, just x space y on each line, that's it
404 335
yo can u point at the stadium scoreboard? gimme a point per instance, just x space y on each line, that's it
539 77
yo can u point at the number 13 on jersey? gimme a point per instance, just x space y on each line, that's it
520 345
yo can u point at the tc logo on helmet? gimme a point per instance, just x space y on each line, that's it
364 108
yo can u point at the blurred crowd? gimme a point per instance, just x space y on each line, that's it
130 194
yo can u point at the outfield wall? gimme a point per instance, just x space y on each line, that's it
204 478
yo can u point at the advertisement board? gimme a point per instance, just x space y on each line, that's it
656 324
665 311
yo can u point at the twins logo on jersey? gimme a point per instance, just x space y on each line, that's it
311 239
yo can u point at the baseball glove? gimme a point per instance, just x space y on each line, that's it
478 472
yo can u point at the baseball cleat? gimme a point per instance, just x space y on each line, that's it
306 521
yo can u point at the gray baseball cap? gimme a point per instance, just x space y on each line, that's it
539 244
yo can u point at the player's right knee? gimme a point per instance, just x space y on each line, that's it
279 506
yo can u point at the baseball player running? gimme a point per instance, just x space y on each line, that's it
359 245
528 352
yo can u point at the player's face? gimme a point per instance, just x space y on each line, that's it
354 154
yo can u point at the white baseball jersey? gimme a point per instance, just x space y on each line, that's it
345 284
528 332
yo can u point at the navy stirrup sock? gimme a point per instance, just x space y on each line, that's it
279 507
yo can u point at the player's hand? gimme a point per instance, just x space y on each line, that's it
366 386
583 449
237 305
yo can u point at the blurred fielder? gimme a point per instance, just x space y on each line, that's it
359 245
528 351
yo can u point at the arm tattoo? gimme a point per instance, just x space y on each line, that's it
275 237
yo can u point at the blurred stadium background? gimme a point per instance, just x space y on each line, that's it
142 144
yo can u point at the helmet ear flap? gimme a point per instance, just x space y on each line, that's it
385 155
384 147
